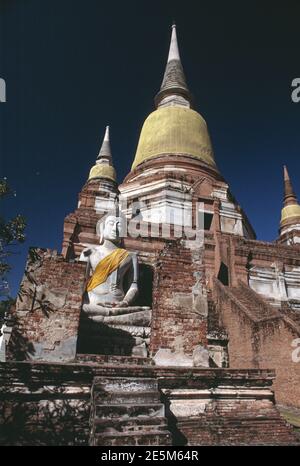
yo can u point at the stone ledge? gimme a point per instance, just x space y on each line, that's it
69 370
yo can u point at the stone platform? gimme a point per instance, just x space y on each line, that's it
53 404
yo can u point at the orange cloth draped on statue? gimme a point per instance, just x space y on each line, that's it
106 266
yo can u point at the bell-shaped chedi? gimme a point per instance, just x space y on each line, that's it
174 129
174 166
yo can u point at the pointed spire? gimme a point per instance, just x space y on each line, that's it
174 51
174 83
105 151
104 166
290 197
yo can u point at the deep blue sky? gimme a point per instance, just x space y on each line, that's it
72 67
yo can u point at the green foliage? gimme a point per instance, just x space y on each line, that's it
4 188
5 307
11 233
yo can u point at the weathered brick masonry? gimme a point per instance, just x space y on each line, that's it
179 320
49 404
48 308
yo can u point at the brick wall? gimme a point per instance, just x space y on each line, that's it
179 318
47 308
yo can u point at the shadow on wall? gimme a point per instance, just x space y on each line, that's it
44 411
44 422
99 338
178 438
145 285
19 347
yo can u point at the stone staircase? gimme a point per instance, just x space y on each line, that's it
259 309
254 303
127 411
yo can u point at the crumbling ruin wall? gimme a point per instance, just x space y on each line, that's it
47 312
179 317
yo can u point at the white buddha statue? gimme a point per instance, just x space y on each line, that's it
108 264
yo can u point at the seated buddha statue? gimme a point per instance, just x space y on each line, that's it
108 264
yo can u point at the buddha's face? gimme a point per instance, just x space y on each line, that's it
112 228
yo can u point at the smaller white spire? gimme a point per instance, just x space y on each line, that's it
173 51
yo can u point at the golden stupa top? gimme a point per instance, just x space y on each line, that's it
174 128
174 131
103 171
290 212
104 167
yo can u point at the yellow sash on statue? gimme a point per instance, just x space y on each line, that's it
105 267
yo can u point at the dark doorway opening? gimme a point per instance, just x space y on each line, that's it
204 220
223 274
145 285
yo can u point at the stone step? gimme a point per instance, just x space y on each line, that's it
253 302
127 411
132 424
126 397
104 411
134 438
125 384
111 359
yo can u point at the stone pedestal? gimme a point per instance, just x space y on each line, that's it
117 330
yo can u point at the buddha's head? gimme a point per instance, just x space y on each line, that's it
110 228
